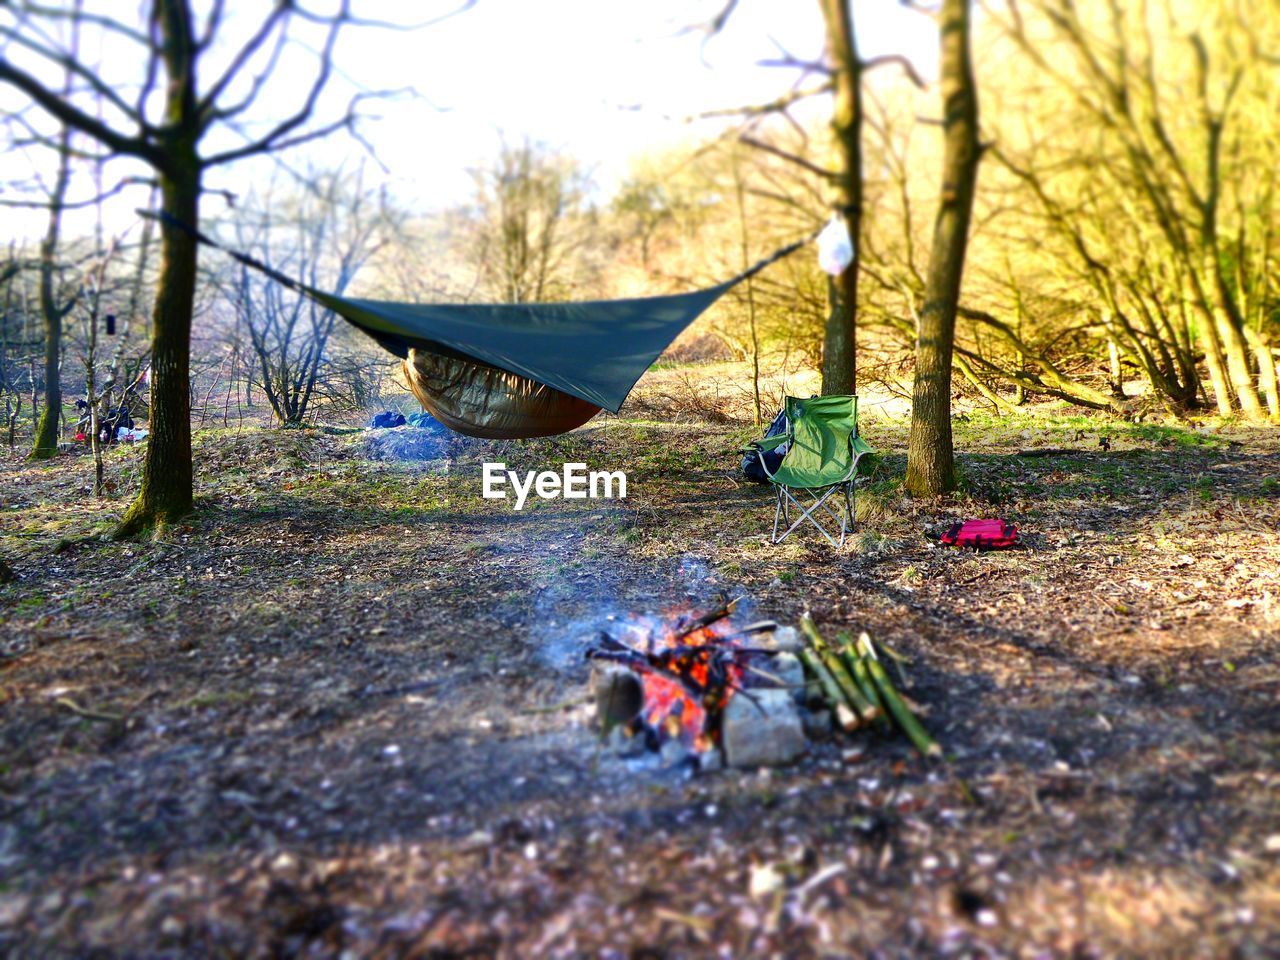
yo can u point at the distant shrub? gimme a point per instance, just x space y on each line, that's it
697 348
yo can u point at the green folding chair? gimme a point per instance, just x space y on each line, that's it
822 461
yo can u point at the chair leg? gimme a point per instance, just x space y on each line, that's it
847 517
809 514
833 512
777 514
785 499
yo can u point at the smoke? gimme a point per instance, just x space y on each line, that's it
568 619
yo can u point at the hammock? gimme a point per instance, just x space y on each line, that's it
507 371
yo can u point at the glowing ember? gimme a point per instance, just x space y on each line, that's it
689 668
670 706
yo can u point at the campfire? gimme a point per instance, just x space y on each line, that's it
676 676
701 687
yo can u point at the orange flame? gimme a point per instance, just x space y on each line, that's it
669 708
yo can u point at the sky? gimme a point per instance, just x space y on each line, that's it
602 80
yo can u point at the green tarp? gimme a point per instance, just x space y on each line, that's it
594 350
519 370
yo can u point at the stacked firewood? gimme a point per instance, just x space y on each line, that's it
856 686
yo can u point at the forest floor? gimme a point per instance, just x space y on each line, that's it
207 748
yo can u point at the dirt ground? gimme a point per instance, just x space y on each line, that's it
342 712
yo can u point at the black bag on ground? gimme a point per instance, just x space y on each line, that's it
387 419
751 468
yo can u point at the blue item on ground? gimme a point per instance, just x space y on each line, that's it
425 421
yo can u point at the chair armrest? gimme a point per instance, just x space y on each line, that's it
767 443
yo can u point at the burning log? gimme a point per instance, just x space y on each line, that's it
707 619
688 672
657 664
704 694
619 696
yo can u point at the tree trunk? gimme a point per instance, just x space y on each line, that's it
46 441
839 348
745 246
166 492
1117 374
1266 371
930 460
1019 355
11 419
1208 332
1231 322
1238 366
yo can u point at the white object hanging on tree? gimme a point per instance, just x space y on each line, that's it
835 247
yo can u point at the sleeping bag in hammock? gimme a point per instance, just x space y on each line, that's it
507 371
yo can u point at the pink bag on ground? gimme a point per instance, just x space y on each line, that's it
992 534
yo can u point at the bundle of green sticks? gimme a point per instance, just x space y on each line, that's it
853 681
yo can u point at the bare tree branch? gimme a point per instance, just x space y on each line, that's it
783 154
271 143
69 63
278 134
787 60
211 25
106 23
37 138
716 23
75 117
76 204
277 18
153 67
907 66
255 88
385 24
773 106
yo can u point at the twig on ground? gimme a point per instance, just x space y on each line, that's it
69 704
